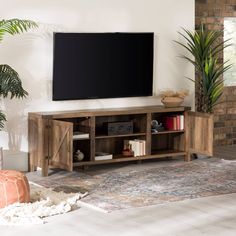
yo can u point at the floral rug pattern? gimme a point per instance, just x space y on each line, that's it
133 185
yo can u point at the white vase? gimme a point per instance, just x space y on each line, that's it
15 160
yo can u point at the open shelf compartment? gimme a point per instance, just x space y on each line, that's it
168 122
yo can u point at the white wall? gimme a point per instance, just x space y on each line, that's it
31 53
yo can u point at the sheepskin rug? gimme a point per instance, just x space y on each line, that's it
43 203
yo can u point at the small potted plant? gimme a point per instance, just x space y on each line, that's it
172 98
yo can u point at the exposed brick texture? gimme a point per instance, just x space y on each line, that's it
212 13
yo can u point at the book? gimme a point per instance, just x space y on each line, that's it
134 147
142 147
80 135
181 122
177 122
99 156
138 146
169 123
174 122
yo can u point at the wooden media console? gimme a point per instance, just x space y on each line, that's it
54 137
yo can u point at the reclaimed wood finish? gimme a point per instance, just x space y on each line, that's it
51 136
187 136
200 133
119 158
36 141
149 135
92 138
47 147
61 153
109 112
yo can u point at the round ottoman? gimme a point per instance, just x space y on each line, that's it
14 187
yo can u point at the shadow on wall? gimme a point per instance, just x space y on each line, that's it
29 62
16 122
14 109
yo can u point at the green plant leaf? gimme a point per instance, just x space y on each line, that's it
2 120
205 46
190 79
15 26
10 83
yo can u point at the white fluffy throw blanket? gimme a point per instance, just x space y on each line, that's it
44 203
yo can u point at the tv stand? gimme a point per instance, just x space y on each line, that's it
51 142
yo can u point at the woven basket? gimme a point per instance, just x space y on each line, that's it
172 101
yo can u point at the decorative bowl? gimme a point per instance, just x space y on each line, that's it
172 101
127 153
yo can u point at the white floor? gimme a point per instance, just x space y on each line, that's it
203 216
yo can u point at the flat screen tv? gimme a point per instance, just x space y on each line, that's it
102 65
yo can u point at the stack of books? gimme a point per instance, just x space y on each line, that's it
175 122
138 146
99 156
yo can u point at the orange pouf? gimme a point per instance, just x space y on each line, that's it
14 187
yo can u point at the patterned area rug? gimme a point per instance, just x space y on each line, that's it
132 185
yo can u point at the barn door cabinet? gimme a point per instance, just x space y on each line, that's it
53 136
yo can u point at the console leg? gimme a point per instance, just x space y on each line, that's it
187 157
85 167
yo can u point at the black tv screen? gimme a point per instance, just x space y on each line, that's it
102 65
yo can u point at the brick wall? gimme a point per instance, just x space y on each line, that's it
212 13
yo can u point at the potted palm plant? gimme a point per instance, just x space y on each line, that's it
10 82
204 48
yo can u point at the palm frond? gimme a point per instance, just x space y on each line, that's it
190 79
204 46
15 26
10 83
2 120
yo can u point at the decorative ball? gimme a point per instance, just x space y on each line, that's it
14 187
79 156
